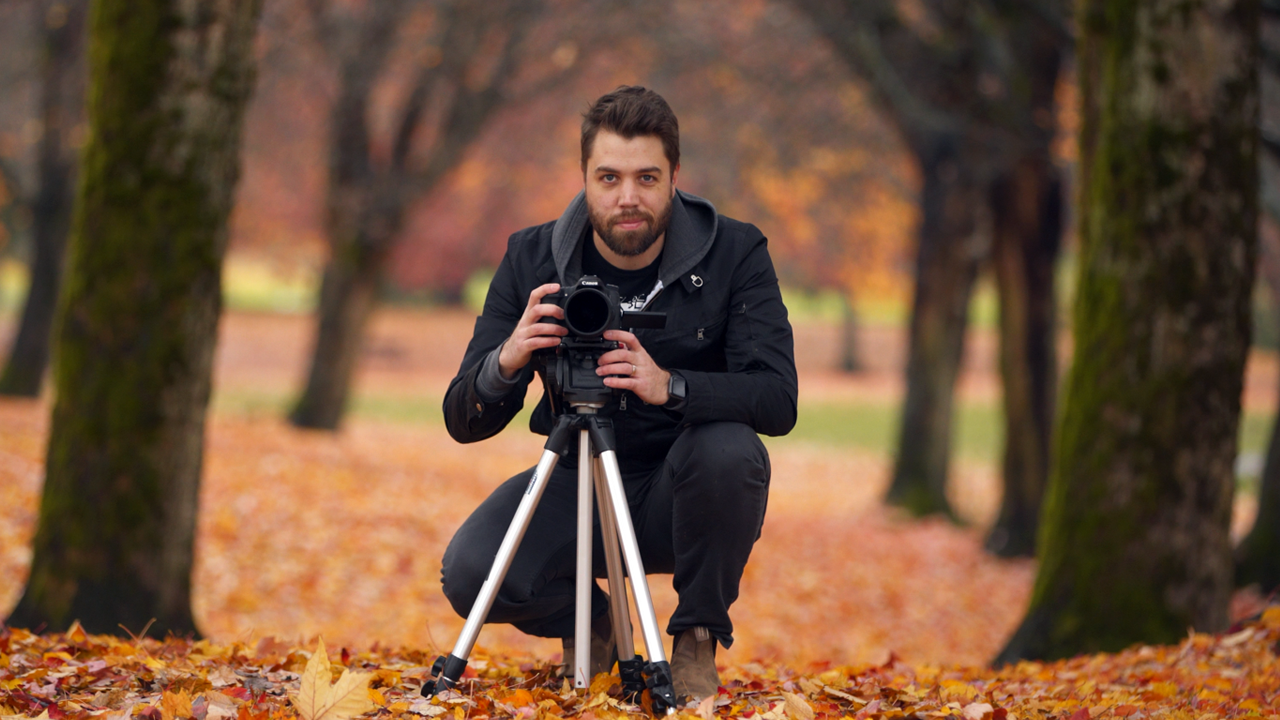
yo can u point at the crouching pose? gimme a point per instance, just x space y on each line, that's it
691 397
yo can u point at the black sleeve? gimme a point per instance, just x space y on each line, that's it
760 386
467 416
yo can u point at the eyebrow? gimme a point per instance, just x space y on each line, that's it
649 170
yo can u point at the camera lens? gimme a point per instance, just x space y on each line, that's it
586 312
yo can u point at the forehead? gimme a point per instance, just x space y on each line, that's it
622 154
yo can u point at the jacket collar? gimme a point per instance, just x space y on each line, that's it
690 234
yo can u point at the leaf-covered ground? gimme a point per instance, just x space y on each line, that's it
73 675
846 610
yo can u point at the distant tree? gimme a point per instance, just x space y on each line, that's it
1136 543
969 87
138 314
465 71
61 109
1258 555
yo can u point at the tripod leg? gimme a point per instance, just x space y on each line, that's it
630 665
448 670
584 578
659 670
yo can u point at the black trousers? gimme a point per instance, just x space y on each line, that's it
696 516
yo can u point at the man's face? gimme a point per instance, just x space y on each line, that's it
629 187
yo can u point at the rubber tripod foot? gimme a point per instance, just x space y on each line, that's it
446 671
661 688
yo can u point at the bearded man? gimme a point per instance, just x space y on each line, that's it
691 397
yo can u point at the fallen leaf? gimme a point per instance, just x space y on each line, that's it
317 699
796 707
977 711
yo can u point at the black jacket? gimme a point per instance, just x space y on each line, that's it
726 332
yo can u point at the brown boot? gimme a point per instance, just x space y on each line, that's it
604 649
693 665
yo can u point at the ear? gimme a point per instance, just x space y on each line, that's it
675 173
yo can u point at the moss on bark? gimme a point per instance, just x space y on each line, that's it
137 318
1134 543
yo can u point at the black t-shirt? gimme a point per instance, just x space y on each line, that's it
634 286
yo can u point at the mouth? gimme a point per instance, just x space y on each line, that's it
630 223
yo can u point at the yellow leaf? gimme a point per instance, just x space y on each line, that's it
317 699
377 697
1271 617
175 705
796 707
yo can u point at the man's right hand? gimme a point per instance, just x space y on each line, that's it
531 334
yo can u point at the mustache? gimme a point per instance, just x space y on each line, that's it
630 216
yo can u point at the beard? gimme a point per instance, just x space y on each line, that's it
629 243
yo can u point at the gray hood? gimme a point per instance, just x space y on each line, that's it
689 237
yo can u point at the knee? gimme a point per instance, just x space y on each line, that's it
461 577
723 455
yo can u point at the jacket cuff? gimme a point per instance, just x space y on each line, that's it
490 385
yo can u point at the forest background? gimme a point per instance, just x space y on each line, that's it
778 129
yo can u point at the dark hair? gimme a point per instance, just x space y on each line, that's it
632 111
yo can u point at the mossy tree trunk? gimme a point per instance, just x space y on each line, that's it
61 110
947 260
1135 544
137 316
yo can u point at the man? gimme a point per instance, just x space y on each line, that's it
691 397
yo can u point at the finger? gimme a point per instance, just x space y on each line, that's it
624 369
540 292
621 355
541 328
623 337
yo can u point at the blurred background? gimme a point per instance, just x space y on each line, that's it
390 148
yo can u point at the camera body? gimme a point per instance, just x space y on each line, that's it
590 308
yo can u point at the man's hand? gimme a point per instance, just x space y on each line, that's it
531 334
641 375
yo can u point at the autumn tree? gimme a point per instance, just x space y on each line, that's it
1258 555
970 88
61 109
138 314
1135 539
467 63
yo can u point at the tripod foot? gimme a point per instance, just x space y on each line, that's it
632 674
661 688
446 671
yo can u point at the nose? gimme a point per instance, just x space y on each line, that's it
630 195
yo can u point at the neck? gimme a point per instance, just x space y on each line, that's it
629 262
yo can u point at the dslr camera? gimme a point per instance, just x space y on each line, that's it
590 308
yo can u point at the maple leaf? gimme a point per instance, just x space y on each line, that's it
317 699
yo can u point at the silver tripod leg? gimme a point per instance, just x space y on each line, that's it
613 562
631 553
506 551
584 578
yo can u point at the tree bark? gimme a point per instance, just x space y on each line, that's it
1026 208
947 262
61 110
1136 544
137 317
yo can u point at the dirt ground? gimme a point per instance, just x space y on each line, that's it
304 533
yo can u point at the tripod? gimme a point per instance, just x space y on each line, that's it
598 471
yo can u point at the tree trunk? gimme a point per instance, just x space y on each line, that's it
947 263
1136 544
849 361
1026 207
137 317
61 110
348 294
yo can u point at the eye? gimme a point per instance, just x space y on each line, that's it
608 177
649 178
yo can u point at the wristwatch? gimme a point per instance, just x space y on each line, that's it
677 389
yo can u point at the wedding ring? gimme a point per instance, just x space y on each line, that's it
633 368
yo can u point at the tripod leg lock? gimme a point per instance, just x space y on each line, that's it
661 688
446 671
632 674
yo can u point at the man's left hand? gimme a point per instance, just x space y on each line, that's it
639 373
